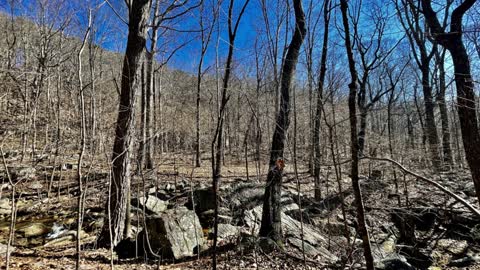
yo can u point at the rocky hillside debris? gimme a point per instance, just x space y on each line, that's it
245 195
464 262
56 231
22 173
454 247
207 217
3 250
5 207
226 232
33 230
292 231
331 227
395 262
152 204
174 233
204 199
384 247
376 175
68 238
310 250
469 189
475 233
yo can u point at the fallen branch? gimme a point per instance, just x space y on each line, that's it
432 182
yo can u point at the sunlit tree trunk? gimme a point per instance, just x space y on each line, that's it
116 207
271 225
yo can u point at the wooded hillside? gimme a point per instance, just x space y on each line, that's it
247 134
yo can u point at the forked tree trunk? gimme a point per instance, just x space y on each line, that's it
116 207
271 217
452 41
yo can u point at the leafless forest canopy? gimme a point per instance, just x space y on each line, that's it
239 134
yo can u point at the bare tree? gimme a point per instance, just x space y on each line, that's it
411 20
138 12
271 225
82 143
372 54
276 49
217 142
467 112
318 109
205 36
442 89
354 147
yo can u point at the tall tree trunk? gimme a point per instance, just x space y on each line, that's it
143 133
116 207
217 146
363 130
361 227
271 217
319 105
205 38
150 88
447 150
82 143
148 159
430 126
452 41
93 102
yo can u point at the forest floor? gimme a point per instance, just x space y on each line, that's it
415 220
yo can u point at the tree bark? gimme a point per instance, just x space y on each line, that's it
452 41
430 126
139 12
319 105
149 90
271 225
447 150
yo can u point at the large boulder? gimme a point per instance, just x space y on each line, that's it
333 228
174 233
207 218
292 229
246 195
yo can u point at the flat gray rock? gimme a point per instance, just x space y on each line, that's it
175 233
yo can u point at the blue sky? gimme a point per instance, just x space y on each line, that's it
111 32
